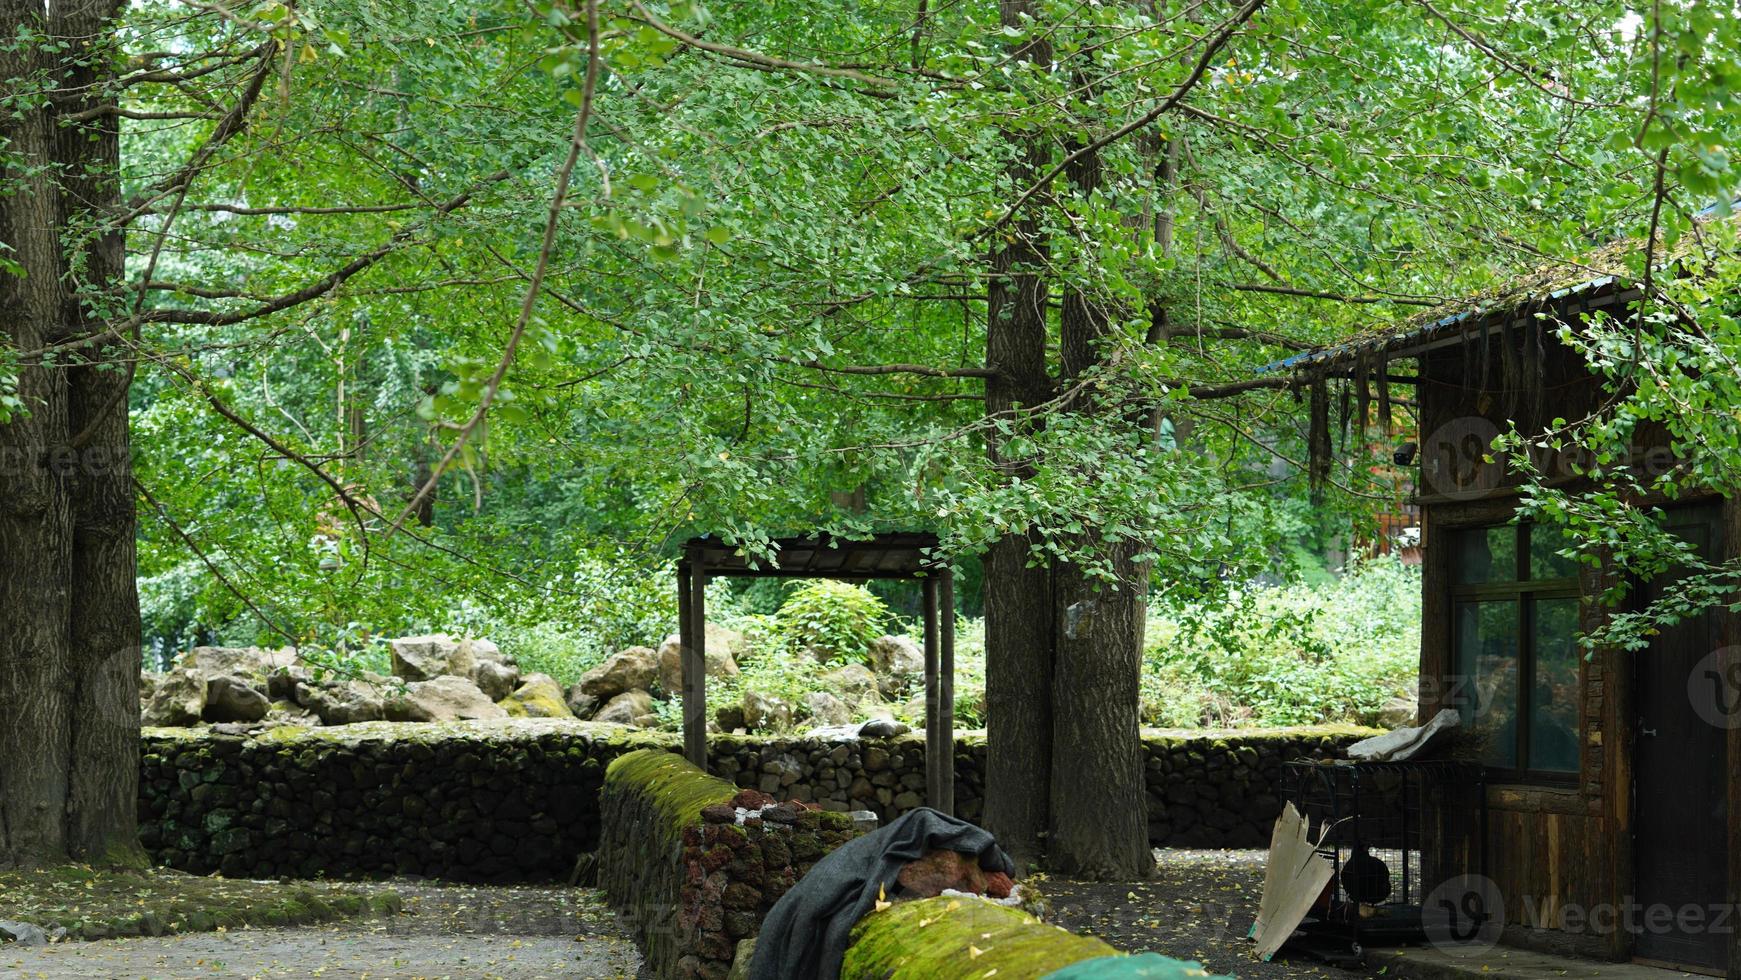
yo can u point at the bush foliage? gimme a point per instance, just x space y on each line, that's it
837 620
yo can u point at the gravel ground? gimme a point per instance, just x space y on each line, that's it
1199 906
446 931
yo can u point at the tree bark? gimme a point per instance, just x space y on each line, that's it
69 612
35 508
1099 813
1098 807
1018 599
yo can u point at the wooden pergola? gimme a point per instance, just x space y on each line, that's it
902 555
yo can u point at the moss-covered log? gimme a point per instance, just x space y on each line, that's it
946 937
951 938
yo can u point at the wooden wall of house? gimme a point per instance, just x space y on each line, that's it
1548 845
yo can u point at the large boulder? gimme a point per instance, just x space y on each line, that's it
177 700
914 710
826 709
283 712
630 669
232 697
722 645
718 638
255 663
422 658
896 657
581 704
764 711
281 684
446 698
484 664
538 696
854 683
343 703
1398 712
741 957
496 678
882 728
629 708
23 933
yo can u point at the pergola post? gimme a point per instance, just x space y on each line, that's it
939 694
692 614
946 688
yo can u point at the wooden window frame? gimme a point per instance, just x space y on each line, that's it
1526 592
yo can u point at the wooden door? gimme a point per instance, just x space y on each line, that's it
1680 782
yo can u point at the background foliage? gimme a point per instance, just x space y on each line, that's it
768 275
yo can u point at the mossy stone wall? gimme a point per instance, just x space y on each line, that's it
518 800
689 879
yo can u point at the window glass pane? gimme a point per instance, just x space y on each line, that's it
1544 541
1553 703
1485 687
1487 554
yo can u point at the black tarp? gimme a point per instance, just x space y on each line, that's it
807 931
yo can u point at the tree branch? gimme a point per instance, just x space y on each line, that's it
1256 287
319 287
1230 28
922 370
753 58
576 147
187 539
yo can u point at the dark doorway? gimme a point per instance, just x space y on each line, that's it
1680 784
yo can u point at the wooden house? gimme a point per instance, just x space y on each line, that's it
1609 789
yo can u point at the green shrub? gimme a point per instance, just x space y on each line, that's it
835 619
969 675
778 672
1286 655
551 648
601 602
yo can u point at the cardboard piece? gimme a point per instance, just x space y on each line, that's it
1292 881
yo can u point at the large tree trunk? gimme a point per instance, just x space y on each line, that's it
1018 599
69 613
35 506
1099 806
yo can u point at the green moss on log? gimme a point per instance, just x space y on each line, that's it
675 788
936 939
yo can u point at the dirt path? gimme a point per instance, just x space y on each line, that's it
445 932
1199 907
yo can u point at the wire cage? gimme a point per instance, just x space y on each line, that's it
1394 831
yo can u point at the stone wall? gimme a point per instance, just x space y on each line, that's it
518 800
685 873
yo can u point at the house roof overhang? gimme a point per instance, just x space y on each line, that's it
1561 290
